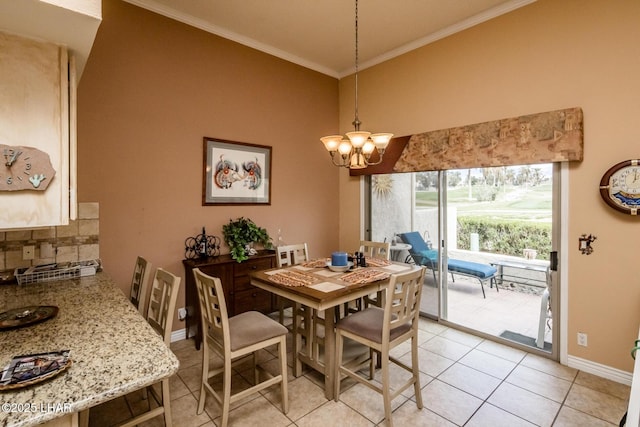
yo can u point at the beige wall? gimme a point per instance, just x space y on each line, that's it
549 55
151 90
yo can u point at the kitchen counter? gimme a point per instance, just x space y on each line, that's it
113 349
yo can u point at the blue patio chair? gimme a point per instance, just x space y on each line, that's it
423 255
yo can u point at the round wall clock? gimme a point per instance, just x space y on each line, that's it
620 187
24 168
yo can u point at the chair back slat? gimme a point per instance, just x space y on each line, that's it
403 299
139 284
213 308
292 254
379 250
162 303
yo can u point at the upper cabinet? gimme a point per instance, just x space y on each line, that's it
43 49
69 23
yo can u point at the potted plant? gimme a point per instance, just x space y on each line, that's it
241 234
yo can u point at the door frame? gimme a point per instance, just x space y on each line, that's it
559 298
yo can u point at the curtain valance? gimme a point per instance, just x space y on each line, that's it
554 136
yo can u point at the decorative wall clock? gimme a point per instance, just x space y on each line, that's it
620 187
24 168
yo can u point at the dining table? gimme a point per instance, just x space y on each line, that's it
112 349
314 285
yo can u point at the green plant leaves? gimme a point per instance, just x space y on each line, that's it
242 232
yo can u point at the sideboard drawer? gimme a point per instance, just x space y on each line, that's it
251 265
252 299
242 283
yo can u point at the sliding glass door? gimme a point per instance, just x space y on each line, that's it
486 237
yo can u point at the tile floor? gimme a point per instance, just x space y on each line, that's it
466 381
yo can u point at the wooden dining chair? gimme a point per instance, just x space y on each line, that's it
162 307
382 329
287 255
231 339
372 249
139 284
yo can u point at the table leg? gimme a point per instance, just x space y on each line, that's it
329 355
297 339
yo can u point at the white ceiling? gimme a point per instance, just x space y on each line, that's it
320 34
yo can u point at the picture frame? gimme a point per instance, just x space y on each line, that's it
235 173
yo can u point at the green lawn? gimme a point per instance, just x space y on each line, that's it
511 202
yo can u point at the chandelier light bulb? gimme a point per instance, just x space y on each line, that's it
345 147
368 148
358 138
381 140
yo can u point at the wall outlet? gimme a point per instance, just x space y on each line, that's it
182 313
582 339
28 252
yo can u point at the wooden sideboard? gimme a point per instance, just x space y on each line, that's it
239 294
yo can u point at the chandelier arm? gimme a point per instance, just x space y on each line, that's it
344 163
373 164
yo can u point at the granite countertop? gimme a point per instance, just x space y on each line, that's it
113 349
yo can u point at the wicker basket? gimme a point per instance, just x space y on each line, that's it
50 272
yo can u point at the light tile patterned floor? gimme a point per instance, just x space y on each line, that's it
466 381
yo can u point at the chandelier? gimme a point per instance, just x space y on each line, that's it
355 151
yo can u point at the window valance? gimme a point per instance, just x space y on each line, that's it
554 136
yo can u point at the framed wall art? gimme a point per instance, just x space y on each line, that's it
235 173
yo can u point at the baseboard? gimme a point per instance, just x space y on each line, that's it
179 335
603 371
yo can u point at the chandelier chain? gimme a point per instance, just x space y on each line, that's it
356 120
355 152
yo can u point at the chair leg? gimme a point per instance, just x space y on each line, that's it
204 379
283 372
256 374
226 393
385 390
482 287
416 371
372 362
166 402
338 365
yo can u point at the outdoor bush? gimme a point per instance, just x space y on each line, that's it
505 237
486 193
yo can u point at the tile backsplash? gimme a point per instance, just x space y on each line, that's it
78 241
